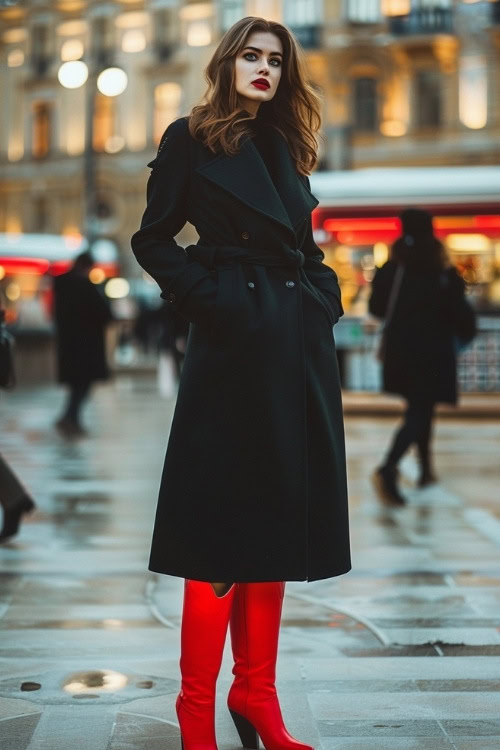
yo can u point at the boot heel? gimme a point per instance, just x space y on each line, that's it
248 734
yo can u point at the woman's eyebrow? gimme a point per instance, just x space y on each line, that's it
256 49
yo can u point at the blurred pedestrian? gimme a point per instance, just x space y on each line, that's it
14 498
81 316
254 485
422 298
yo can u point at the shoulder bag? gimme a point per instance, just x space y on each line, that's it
391 304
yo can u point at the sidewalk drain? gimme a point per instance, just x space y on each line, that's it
29 686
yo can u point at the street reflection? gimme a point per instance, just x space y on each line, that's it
99 680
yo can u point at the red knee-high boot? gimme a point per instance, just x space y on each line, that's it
205 618
252 699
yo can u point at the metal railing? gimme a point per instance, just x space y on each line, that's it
421 21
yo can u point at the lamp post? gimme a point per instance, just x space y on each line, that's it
111 81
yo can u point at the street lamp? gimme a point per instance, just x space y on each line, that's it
110 82
73 74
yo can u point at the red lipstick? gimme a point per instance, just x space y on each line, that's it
261 83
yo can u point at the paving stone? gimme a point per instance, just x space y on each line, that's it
404 652
442 706
387 743
16 733
378 728
475 743
133 732
472 727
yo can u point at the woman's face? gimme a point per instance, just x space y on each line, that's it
259 61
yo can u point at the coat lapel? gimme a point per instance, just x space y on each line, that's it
245 176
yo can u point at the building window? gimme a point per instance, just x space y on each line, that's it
133 40
304 17
303 12
473 91
15 58
40 49
40 214
362 11
365 110
396 7
42 116
167 100
164 33
104 121
102 40
231 11
428 99
72 49
198 33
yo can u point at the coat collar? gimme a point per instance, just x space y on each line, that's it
245 176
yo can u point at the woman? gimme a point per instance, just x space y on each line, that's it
427 313
254 486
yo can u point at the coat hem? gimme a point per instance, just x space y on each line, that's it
218 576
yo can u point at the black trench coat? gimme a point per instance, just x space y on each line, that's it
81 316
254 483
420 361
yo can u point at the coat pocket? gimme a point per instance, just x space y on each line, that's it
227 315
316 294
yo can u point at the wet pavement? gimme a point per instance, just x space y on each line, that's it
403 652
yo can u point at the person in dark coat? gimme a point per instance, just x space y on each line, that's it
14 499
253 492
429 315
81 317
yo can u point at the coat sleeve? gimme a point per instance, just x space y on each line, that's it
319 274
187 285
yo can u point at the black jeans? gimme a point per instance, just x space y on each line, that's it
78 393
416 429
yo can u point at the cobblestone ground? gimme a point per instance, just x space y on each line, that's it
403 652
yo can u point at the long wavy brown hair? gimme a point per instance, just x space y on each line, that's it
221 123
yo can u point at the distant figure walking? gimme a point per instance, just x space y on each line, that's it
422 298
14 499
81 316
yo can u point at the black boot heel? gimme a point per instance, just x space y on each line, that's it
248 734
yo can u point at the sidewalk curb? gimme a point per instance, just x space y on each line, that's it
471 406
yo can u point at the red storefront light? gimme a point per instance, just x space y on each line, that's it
16 266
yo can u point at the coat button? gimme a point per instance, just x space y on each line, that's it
171 298
251 285
245 235
290 284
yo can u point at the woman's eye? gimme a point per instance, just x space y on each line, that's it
251 56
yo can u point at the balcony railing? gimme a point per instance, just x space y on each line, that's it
423 21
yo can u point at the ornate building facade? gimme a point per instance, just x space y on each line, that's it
404 82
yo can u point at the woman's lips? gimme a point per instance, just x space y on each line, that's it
259 85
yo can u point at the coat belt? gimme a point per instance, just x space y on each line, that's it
217 257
